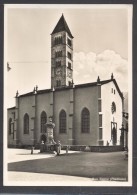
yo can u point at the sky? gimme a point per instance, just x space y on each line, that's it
101 45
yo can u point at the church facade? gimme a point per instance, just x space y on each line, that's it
84 114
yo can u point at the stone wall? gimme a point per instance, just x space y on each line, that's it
94 148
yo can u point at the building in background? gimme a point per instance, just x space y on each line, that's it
84 114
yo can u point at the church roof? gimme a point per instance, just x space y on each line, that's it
78 86
62 26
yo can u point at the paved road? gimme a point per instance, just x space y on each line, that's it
81 166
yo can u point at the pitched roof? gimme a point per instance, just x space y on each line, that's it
77 86
38 92
62 26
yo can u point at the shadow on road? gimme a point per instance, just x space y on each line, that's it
76 164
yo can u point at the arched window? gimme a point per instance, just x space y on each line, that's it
61 40
85 121
43 122
26 124
58 63
55 41
58 40
10 121
58 54
113 107
62 122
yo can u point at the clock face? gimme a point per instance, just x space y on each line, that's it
69 73
58 72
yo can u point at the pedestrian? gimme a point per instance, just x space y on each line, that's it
32 149
67 148
58 147
42 146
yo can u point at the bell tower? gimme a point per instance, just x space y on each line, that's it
61 55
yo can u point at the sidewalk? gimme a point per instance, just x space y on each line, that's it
37 177
17 155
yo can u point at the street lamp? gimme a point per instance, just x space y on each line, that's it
123 137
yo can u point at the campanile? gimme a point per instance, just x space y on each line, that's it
61 55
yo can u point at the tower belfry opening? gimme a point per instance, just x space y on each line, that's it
61 55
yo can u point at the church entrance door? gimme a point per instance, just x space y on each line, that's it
114 133
43 138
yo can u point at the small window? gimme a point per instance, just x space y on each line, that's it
114 91
69 42
111 90
69 55
69 65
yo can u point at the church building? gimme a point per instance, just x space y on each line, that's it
84 114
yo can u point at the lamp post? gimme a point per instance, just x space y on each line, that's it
123 137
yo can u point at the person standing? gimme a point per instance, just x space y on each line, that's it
58 147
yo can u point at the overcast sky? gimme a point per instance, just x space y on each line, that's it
100 46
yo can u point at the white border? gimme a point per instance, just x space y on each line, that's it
130 141
130 85
5 165
67 6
